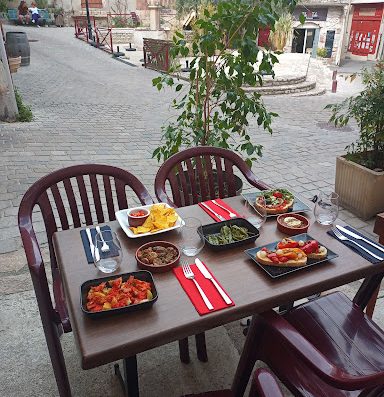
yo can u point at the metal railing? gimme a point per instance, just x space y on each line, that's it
156 54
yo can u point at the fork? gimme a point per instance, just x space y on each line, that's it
105 246
218 216
188 273
230 213
341 236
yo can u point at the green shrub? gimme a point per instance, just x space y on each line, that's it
321 52
3 6
25 112
41 3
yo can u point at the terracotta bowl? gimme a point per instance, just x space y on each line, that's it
157 268
291 230
135 221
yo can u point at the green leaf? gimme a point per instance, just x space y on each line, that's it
302 19
179 87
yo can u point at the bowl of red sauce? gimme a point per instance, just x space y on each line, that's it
137 217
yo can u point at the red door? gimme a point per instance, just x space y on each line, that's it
365 29
263 39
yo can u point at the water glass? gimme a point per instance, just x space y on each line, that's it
192 242
108 253
326 208
256 215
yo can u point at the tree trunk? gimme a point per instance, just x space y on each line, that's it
8 106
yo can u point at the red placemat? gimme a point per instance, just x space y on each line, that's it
206 285
219 210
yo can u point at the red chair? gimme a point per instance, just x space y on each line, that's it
201 173
263 385
198 174
79 186
327 347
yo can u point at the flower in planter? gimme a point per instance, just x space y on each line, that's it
215 106
367 108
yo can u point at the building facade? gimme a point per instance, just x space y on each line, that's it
346 29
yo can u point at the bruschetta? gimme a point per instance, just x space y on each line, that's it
312 248
277 201
291 257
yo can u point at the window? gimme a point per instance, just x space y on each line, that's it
92 3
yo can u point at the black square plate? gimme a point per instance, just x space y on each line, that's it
214 228
140 275
298 205
278 271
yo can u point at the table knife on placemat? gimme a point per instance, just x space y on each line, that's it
206 274
358 237
218 216
94 250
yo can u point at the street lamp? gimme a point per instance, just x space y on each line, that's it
90 34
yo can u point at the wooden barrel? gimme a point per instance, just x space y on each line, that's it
17 45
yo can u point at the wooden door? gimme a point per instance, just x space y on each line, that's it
364 37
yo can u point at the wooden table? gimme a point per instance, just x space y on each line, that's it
173 316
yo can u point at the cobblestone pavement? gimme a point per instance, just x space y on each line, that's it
90 108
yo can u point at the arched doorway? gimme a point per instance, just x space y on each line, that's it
306 38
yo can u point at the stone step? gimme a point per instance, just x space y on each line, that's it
269 81
315 92
284 89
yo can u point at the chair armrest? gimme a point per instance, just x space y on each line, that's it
251 177
264 384
315 359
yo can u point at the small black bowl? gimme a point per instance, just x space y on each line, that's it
140 275
214 228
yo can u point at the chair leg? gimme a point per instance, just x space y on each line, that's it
248 357
57 359
184 351
201 347
372 303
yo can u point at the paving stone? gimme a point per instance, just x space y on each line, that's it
15 283
12 262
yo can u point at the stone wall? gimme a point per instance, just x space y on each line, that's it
334 21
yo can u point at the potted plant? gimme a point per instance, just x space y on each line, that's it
322 53
360 173
214 107
279 36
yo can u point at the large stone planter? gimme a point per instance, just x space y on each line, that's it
361 190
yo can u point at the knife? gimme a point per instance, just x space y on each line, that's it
213 212
356 236
94 250
204 271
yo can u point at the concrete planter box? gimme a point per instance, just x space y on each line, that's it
361 190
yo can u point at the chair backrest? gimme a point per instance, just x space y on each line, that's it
201 173
44 14
71 197
77 196
12 14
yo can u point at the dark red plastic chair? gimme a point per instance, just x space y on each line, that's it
327 347
69 190
198 174
264 384
201 173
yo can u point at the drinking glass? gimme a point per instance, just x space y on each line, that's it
107 260
326 208
192 242
256 215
